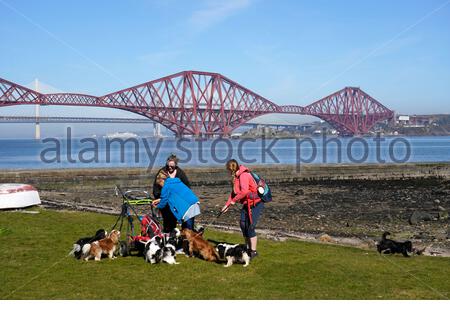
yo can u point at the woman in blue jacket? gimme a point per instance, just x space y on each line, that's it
183 203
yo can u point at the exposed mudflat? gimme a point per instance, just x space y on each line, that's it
358 208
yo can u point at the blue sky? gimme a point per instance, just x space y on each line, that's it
292 52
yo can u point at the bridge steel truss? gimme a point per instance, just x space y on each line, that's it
205 104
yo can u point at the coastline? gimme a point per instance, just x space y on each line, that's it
272 172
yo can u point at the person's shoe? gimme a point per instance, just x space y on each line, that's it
253 254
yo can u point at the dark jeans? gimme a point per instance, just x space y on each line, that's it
248 229
170 222
188 224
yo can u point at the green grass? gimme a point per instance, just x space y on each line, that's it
34 265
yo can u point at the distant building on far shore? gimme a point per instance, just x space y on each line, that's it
414 121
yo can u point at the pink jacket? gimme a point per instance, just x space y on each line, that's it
244 185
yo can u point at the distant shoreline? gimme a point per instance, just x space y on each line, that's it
242 136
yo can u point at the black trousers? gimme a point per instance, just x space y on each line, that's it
169 220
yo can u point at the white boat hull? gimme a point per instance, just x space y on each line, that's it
14 196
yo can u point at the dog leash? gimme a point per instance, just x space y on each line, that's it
208 225
213 221
415 277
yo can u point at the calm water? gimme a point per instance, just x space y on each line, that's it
142 152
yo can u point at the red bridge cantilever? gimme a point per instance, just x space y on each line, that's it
204 104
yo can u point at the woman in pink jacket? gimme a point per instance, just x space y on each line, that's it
245 192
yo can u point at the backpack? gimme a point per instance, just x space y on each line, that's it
262 188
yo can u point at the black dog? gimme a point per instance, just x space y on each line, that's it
78 246
389 246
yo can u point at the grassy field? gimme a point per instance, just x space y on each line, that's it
34 265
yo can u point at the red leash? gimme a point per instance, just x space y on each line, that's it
249 210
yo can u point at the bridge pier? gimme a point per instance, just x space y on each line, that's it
37 132
156 129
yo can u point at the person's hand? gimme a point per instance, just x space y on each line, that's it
155 202
224 209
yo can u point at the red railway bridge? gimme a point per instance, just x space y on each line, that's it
208 104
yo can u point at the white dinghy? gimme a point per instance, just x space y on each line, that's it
16 195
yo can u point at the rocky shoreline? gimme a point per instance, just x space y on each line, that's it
341 204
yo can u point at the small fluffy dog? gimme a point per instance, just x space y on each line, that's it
199 246
233 253
169 254
105 246
156 251
153 252
175 240
77 250
389 246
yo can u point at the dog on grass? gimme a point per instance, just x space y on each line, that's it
153 252
156 251
233 253
199 246
77 250
105 246
174 238
169 254
388 246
